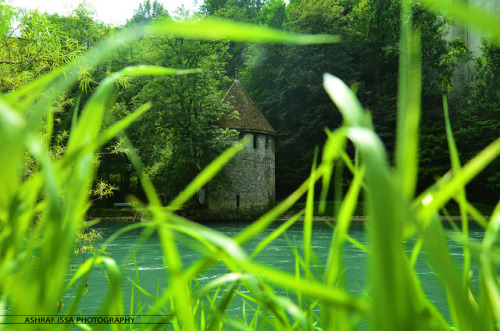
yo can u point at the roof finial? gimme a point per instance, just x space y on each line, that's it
236 77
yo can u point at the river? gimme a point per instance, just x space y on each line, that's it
278 254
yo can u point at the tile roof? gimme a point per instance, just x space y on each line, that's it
249 118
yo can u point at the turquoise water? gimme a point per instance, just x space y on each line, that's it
279 254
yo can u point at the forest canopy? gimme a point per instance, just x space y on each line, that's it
180 135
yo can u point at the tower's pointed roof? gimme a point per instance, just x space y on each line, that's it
249 118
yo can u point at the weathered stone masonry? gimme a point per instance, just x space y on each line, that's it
251 174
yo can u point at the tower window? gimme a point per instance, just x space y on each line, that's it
237 201
267 142
255 141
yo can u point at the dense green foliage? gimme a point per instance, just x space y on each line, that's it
179 136
285 84
478 116
282 80
40 213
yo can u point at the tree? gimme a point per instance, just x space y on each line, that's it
148 12
179 135
80 25
286 83
40 43
210 7
236 10
477 120
240 10
35 46
6 15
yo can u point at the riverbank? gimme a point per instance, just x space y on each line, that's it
129 215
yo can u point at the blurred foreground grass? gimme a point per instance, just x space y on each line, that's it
452 208
40 215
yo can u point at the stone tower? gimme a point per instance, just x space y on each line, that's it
250 190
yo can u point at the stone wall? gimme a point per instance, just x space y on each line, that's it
463 72
251 188
473 38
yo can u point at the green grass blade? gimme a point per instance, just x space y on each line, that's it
334 265
391 298
409 96
149 70
92 115
463 312
179 284
143 291
308 216
432 201
207 174
105 137
265 220
338 318
138 281
461 196
331 152
275 234
114 303
345 100
11 136
217 320
489 268
219 281
310 288
214 28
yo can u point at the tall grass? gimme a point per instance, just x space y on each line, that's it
40 215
